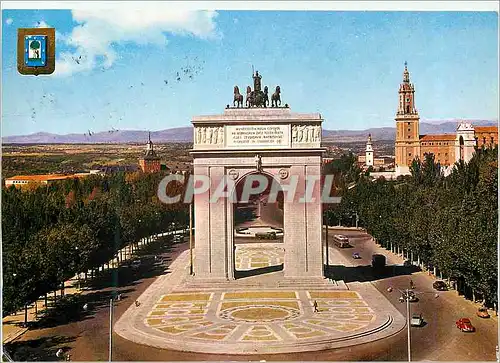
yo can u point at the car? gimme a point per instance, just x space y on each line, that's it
416 320
356 255
440 285
465 325
483 313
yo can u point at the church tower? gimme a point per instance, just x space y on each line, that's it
369 152
150 162
407 146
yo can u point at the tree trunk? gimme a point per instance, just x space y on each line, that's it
46 304
25 315
36 308
55 297
434 270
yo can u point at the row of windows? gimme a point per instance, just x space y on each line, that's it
437 143
19 182
492 140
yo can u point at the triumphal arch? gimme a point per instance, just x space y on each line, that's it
258 137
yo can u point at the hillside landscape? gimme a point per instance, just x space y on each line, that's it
185 134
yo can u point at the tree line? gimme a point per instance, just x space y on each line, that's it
52 232
450 223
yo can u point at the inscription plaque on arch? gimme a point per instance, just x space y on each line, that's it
258 136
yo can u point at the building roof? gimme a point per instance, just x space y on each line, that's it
108 169
44 177
150 154
493 129
438 137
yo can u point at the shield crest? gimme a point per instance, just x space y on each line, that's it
35 50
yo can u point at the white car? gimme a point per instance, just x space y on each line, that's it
416 320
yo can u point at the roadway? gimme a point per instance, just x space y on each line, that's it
438 339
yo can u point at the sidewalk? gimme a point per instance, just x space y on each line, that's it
13 325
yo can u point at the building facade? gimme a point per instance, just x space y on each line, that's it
447 148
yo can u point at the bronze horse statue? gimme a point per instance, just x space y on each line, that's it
250 97
266 97
237 97
275 98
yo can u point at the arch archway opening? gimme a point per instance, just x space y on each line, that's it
258 229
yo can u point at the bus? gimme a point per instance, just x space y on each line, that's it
341 241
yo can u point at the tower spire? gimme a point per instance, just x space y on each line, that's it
406 74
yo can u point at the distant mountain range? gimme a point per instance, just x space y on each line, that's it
185 134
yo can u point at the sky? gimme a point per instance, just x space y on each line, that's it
155 67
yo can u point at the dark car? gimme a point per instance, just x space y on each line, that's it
465 325
440 285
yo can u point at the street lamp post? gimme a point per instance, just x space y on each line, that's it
406 296
408 322
191 238
110 329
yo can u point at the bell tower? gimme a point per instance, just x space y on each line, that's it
407 146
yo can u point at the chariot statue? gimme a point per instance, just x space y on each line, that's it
257 97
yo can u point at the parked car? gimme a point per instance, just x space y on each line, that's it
465 325
411 296
416 320
440 285
483 313
356 255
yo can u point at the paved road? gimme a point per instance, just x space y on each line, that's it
438 340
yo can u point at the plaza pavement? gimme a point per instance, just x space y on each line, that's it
261 317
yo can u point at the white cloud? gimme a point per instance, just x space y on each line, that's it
9 21
99 29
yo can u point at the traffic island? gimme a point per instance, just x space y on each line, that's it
255 321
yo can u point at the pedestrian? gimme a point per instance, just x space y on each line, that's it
59 353
315 306
68 357
85 307
411 284
119 297
137 303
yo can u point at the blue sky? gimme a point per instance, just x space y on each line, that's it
345 65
